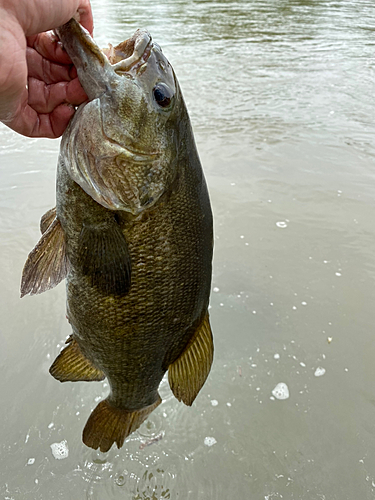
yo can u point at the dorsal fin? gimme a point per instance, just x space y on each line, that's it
188 373
47 264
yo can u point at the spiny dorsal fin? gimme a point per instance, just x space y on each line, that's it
47 219
72 366
188 373
47 264
103 256
108 424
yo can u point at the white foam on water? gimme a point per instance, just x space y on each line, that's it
319 371
209 441
281 224
214 402
60 450
281 391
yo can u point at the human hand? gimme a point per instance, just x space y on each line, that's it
39 88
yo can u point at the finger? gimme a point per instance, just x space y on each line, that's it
45 98
43 69
37 16
58 120
32 124
48 45
85 16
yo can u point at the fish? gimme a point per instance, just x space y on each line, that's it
132 235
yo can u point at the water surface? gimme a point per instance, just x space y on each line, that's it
281 98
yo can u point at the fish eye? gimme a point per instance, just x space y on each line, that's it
163 95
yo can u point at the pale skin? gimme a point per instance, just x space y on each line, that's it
39 88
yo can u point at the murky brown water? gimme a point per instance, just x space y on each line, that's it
281 96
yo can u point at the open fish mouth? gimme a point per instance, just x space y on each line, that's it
130 54
98 68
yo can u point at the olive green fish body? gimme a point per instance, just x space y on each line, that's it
134 338
132 234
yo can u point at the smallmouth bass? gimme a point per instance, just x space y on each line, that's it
132 233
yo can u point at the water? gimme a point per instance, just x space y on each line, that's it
281 97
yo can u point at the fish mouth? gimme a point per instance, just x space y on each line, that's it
97 69
131 54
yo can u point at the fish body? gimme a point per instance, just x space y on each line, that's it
132 234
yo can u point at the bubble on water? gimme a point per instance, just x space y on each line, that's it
214 402
120 479
31 461
304 303
50 425
302 364
216 289
281 224
338 274
281 391
60 450
319 371
209 441
276 356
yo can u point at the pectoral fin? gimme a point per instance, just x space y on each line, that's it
47 219
47 263
104 257
188 373
72 366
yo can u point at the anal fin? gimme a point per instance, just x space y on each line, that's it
108 424
189 372
72 366
47 264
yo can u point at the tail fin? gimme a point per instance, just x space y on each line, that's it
108 424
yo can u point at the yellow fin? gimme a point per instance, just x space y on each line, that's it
72 366
188 373
47 219
108 424
47 264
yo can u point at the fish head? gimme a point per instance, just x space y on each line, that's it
122 145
